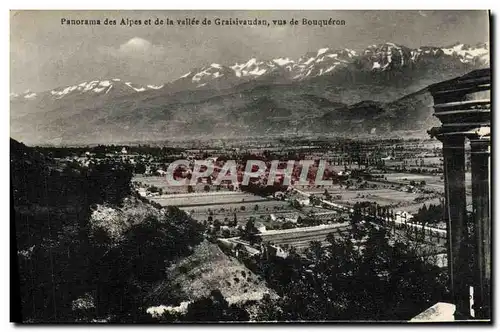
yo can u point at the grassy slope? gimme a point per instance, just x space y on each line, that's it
208 268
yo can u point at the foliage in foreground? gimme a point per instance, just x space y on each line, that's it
71 271
357 277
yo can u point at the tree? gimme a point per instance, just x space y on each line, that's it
250 231
217 225
327 195
357 228
226 233
429 215
92 275
315 251
109 181
295 204
314 200
214 308
140 168
346 280
269 309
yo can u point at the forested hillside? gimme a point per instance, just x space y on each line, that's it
72 267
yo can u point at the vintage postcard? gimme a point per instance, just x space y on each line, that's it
250 166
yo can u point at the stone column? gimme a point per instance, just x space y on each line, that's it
482 226
456 217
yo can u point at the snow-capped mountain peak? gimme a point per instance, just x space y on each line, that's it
91 88
94 86
138 89
385 56
468 53
252 68
155 87
322 50
26 95
30 95
325 61
282 61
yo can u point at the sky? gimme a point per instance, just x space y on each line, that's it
45 54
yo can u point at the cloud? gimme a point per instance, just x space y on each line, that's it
134 47
135 44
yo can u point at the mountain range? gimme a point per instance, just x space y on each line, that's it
380 89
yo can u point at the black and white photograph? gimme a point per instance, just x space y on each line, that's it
250 166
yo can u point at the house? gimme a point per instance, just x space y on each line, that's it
260 227
161 172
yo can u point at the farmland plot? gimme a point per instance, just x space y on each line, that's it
161 182
407 177
301 237
207 199
243 211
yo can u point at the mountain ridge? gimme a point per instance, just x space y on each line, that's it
365 94
379 57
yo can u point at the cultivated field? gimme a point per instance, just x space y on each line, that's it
243 211
407 177
207 199
161 182
301 237
432 182
222 205
383 196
